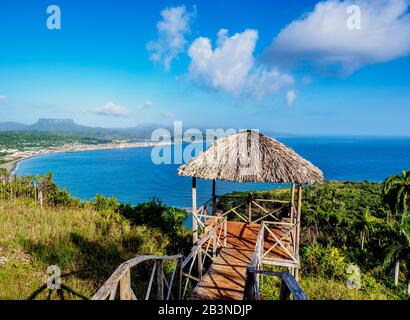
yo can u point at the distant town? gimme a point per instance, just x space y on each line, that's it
19 142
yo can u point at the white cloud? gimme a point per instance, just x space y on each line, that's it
263 82
290 97
2 98
322 37
147 105
231 66
226 67
113 110
172 30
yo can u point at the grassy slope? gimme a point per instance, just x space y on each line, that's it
83 242
88 245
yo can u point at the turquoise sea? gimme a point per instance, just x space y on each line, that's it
131 176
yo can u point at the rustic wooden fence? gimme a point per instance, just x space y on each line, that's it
289 285
118 284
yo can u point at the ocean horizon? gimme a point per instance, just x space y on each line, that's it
132 177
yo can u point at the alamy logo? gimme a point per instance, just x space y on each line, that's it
54 20
354 21
54 279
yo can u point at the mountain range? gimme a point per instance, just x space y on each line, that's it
69 126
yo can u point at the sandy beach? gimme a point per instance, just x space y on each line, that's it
11 166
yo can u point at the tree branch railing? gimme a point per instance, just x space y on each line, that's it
248 205
289 285
285 240
119 283
206 249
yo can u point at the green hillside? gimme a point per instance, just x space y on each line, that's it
343 224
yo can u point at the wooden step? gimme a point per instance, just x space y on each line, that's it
225 278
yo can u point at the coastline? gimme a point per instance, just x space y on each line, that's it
12 166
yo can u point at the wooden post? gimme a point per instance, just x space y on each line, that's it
250 208
195 228
214 242
180 260
225 231
284 291
292 218
292 202
125 286
194 213
298 218
200 266
35 192
248 293
160 282
213 197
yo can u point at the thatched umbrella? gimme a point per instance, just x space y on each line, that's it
250 157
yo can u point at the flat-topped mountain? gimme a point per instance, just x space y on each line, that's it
57 125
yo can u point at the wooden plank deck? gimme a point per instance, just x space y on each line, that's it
225 278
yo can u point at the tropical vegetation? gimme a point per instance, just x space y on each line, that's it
346 226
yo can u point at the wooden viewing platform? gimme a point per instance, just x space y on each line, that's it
237 248
233 240
226 277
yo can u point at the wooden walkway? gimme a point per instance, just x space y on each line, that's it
225 278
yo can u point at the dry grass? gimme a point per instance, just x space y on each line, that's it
87 245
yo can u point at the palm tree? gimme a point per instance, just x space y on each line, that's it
366 224
396 194
398 248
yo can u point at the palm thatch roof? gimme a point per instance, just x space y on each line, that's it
251 157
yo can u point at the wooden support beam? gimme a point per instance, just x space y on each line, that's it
248 293
225 231
292 201
160 283
125 286
194 213
179 261
284 291
250 209
298 218
292 216
214 197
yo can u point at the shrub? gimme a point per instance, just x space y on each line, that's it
327 262
104 204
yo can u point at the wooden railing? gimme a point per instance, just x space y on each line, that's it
212 239
245 210
119 283
285 239
120 280
289 285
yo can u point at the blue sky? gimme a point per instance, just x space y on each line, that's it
278 67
